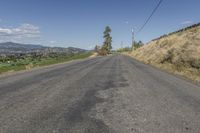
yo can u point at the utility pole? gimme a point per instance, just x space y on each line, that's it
132 37
121 44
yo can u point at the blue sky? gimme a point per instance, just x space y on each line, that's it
80 23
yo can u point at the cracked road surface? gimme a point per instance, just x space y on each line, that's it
114 94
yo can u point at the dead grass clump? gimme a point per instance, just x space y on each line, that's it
29 66
102 52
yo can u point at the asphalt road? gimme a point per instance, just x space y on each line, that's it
114 94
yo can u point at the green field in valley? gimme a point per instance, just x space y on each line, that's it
28 62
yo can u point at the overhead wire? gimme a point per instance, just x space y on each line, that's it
148 19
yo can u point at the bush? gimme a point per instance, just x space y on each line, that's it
103 52
168 57
195 63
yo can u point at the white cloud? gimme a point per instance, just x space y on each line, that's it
52 42
127 22
20 33
186 22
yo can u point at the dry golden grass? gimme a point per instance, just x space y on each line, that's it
177 53
94 55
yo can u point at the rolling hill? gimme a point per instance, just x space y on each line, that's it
177 52
9 48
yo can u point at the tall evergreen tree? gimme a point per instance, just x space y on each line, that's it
97 48
107 45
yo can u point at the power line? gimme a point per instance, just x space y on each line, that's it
150 16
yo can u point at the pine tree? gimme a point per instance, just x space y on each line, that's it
96 48
107 45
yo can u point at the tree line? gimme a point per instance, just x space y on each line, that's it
134 46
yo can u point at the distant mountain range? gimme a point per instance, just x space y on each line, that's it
11 48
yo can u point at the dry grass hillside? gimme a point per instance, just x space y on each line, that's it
178 52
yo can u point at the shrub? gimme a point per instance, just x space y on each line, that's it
195 63
102 52
168 56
